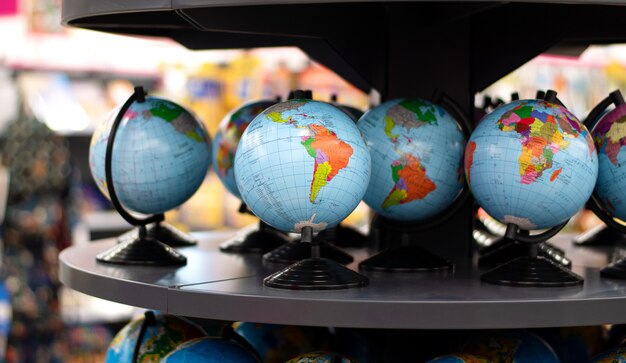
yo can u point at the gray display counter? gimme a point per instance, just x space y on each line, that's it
216 285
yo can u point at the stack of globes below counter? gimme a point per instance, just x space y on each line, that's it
531 165
417 175
225 143
608 201
302 166
150 156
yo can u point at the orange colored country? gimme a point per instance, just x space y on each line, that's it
469 157
555 174
414 175
337 151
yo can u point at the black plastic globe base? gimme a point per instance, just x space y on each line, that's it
316 274
259 241
344 236
601 235
164 233
616 270
142 251
509 250
295 251
405 258
170 235
530 271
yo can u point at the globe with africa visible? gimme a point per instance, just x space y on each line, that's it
531 163
417 159
161 154
302 163
227 138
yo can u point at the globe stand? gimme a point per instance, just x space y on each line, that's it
142 249
601 235
615 270
315 272
149 320
404 256
611 234
505 250
532 270
344 236
263 240
163 232
296 250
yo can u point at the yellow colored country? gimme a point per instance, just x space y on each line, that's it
617 132
320 178
277 117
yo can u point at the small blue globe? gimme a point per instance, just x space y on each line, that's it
227 138
210 350
160 157
512 346
417 159
531 163
302 163
609 136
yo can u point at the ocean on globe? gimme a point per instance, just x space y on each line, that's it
460 358
514 346
161 336
161 155
609 136
417 159
617 355
321 357
279 343
531 163
210 350
302 163
227 138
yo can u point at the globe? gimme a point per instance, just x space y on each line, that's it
160 157
574 344
278 343
609 135
616 355
531 163
417 159
321 357
512 346
160 337
302 163
210 350
227 138
459 358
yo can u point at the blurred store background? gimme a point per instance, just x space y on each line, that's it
57 84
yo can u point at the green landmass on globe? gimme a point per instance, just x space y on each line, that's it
171 112
329 152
